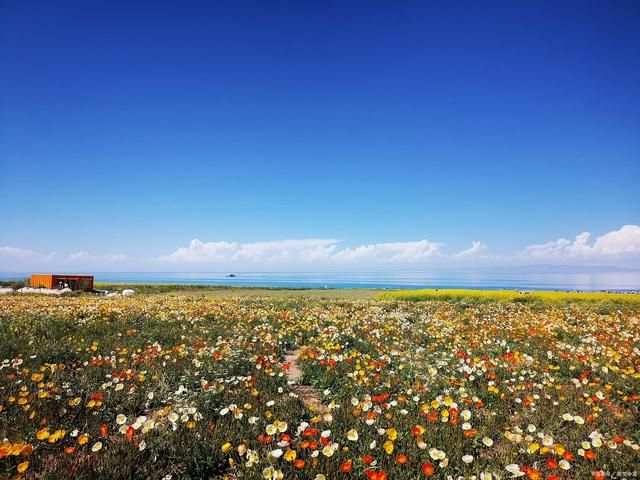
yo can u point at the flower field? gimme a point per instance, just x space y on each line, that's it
173 387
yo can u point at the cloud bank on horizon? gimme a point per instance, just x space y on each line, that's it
618 248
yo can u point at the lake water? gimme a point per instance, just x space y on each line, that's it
623 281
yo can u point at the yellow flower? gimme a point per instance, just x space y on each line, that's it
392 433
42 434
226 448
388 447
290 455
23 467
83 439
534 447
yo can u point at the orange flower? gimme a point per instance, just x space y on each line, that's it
534 474
299 464
552 463
590 455
401 458
69 450
427 469
346 467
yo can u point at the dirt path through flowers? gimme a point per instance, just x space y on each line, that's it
309 396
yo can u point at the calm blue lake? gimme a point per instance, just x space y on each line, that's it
484 280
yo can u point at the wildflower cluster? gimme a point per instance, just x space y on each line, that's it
198 387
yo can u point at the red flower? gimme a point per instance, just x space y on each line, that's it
373 475
367 459
552 463
104 429
427 469
346 467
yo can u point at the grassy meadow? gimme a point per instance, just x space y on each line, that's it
198 384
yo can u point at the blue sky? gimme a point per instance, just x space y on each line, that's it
129 129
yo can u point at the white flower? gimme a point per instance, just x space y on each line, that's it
567 417
514 469
271 473
96 446
142 445
487 441
352 435
277 453
563 464
578 419
271 429
121 419
327 451
467 459
437 454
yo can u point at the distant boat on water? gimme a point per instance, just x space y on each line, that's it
231 275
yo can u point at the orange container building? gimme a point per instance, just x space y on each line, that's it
74 282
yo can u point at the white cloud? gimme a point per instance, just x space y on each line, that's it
305 251
475 249
279 251
625 241
23 259
619 247
398 252
18 252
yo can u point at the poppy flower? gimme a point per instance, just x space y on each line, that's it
427 469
